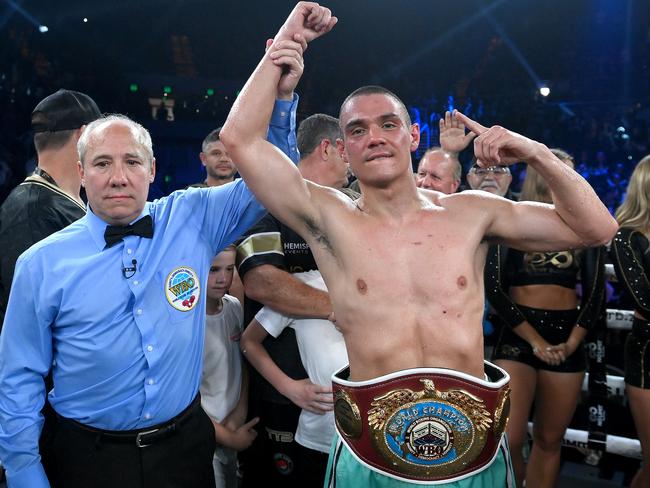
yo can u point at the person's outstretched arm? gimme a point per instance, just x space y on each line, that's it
284 293
304 393
277 184
577 217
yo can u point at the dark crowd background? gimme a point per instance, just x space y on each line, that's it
486 58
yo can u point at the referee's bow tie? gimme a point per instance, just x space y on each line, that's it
115 233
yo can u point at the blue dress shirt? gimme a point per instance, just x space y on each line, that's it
125 350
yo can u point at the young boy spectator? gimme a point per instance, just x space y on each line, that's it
224 384
322 351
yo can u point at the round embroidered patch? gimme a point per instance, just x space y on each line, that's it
283 463
182 289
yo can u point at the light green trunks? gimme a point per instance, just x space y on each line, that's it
344 471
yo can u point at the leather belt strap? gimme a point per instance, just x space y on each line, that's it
141 437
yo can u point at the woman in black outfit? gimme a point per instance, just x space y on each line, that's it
631 255
541 342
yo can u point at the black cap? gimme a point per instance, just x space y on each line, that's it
64 110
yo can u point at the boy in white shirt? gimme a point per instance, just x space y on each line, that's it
224 383
322 351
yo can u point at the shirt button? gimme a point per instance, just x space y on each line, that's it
283 114
135 282
151 381
149 348
129 251
147 415
139 311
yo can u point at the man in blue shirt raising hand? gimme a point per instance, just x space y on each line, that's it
113 306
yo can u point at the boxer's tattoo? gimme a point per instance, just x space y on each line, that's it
319 235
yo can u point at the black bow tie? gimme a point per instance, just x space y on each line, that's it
115 233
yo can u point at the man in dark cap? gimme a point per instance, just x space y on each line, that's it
48 200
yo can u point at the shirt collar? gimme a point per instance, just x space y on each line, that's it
97 227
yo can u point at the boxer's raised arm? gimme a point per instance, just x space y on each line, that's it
275 182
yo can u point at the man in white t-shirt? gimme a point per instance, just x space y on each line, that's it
224 384
322 351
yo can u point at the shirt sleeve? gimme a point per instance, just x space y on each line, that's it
496 287
273 322
592 278
262 244
226 212
282 127
631 257
25 359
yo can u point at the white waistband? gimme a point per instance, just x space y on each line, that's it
505 378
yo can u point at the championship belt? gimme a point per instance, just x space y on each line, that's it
423 424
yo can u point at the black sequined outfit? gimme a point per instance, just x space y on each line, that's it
508 267
631 256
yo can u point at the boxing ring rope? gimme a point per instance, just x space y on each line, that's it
578 439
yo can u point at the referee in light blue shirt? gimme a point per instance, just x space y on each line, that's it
113 305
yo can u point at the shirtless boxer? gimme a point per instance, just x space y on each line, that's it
406 285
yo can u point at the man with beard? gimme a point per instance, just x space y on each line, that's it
219 167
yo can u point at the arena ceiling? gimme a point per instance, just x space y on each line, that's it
428 45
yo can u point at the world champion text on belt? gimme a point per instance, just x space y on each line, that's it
429 428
